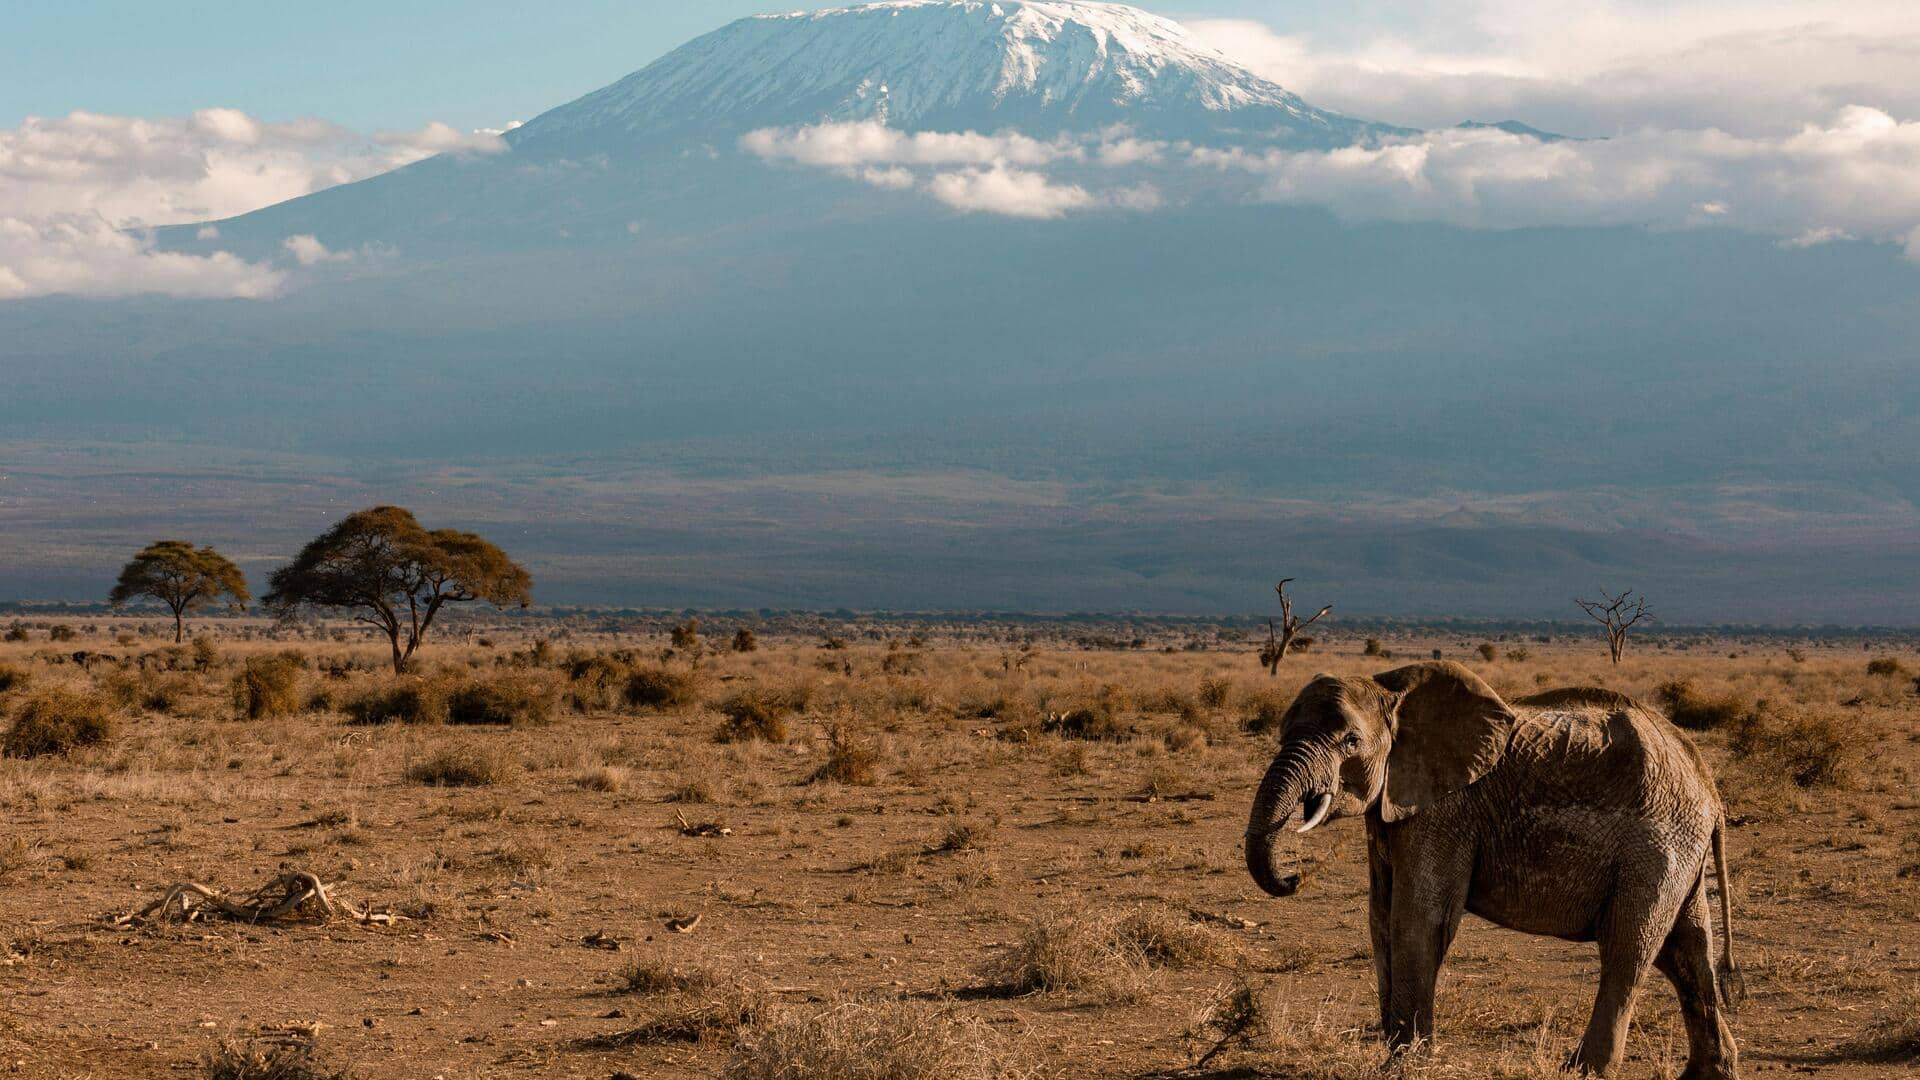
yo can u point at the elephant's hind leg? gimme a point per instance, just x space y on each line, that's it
1631 934
1687 960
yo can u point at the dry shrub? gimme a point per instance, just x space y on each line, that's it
56 722
1812 750
1264 710
744 640
1071 952
268 686
267 1059
692 790
596 682
1214 691
757 713
1885 665
655 977
406 700
1094 722
703 1014
873 1040
661 688
1167 938
851 759
519 700
462 766
13 678
1892 1039
963 836
1687 707
607 778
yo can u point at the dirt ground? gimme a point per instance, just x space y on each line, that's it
589 837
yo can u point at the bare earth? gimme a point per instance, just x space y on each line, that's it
825 894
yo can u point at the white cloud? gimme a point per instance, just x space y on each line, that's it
86 255
307 250
1000 173
1591 67
71 186
1006 190
1856 174
846 146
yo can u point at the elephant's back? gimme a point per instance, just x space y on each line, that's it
1605 751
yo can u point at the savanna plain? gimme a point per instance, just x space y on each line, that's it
576 849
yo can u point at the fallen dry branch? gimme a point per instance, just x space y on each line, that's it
290 894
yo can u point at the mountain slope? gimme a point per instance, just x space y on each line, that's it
1042 66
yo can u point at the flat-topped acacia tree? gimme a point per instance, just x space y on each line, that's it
184 578
382 566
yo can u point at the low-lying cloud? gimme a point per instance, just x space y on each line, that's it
1854 175
79 191
1589 67
968 171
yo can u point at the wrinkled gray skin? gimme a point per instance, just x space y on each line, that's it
1574 813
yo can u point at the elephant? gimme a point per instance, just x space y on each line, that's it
1574 813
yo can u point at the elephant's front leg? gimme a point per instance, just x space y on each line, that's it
1380 921
1428 898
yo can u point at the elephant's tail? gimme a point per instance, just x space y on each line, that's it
1733 985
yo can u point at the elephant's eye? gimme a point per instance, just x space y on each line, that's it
1352 741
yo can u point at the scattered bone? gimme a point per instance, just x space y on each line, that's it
684 925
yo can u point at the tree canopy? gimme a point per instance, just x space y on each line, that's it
183 577
392 573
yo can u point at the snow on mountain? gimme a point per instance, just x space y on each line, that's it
1041 66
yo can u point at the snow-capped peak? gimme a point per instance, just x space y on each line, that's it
1042 66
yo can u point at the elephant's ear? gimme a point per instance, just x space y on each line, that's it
1449 729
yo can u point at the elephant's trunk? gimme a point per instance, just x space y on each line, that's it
1280 791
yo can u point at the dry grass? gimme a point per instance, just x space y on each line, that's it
268 686
899 882
874 1040
661 688
1167 938
466 766
1893 1038
851 759
405 700
57 721
1687 707
516 700
1074 952
267 1059
755 714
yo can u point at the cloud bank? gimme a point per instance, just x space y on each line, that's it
1590 67
77 191
968 171
1854 175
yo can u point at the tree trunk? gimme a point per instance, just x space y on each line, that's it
179 627
399 658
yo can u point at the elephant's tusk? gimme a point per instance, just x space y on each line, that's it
1316 812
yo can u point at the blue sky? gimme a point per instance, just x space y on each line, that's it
369 63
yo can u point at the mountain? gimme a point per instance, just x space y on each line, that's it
666 370
1041 66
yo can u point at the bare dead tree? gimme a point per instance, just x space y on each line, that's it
1617 614
1281 636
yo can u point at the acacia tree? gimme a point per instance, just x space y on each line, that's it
1617 614
393 574
1280 639
182 577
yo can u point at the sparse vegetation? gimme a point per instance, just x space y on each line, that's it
468 766
57 721
661 688
898 843
517 700
873 1040
268 686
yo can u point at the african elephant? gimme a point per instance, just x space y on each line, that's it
1573 813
